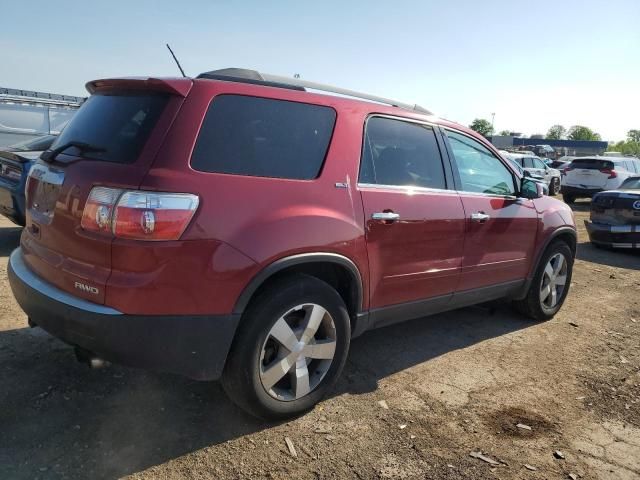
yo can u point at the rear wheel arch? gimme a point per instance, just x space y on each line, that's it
338 271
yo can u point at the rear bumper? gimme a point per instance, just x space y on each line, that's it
579 191
616 236
193 346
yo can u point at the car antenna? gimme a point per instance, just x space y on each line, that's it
177 62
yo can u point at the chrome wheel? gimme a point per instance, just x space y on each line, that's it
298 352
553 282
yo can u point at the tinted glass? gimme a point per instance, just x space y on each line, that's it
631 183
59 117
527 162
23 118
401 153
480 171
592 164
117 124
263 137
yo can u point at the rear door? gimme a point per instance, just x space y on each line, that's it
121 130
588 173
500 228
414 220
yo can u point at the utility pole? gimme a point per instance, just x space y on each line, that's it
493 117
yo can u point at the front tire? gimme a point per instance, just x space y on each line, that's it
550 283
555 186
290 348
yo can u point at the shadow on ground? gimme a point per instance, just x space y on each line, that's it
74 422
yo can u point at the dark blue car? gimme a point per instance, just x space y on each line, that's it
15 162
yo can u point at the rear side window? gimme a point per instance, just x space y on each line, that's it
116 125
592 164
263 137
400 153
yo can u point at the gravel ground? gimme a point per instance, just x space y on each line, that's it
454 384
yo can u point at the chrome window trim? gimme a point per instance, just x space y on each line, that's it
406 188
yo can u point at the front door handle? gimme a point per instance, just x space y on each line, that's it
386 216
480 217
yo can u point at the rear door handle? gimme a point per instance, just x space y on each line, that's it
386 216
480 217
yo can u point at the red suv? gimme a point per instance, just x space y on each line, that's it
239 226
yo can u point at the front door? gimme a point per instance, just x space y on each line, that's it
500 227
414 224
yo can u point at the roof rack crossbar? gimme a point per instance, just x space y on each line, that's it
252 76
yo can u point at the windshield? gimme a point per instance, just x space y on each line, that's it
38 144
632 183
116 125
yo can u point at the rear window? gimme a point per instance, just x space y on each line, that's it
263 137
592 164
117 125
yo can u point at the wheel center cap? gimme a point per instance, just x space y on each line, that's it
298 347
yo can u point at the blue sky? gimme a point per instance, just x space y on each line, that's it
532 63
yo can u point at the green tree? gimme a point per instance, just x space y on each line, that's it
556 132
482 126
580 132
633 136
505 133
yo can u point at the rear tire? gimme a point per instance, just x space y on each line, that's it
545 297
279 366
568 199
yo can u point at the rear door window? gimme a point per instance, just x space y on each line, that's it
116 124
263 137
401 153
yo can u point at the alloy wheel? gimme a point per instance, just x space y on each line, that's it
298 352
553 282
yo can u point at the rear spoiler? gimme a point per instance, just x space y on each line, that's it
173 86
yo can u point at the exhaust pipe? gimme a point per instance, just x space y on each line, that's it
89 358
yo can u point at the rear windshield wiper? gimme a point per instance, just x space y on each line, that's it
50 155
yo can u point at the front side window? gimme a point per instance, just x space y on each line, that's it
400 153
480 171
263 137
537 163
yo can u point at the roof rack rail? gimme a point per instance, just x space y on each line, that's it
254 77
33 96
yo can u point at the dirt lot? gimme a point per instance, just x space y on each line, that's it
454 384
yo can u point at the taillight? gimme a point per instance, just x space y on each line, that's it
153 216
609 171
138 215
98 211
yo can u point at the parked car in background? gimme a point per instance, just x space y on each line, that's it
524 173
27 114
238 226
537 167
15 163
586 176
562 162
615 216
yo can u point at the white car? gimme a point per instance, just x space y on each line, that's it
586 176
537 168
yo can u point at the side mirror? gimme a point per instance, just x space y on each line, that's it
530 189
526 173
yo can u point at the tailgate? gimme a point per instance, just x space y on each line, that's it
589 173
111 141
619 208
